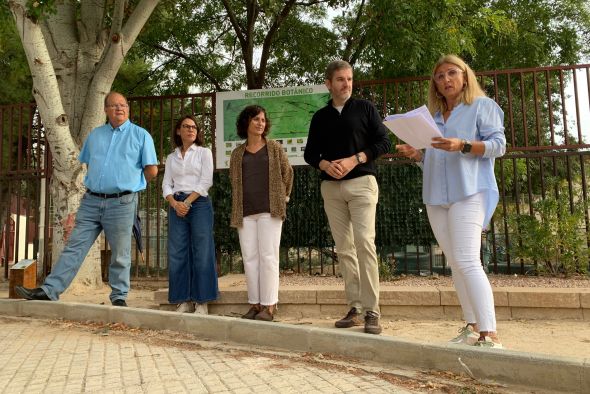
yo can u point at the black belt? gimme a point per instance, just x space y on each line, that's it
105 195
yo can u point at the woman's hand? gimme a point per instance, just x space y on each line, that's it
180 208
409 151
448 144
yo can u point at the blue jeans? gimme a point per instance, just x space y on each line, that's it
191 253
113 215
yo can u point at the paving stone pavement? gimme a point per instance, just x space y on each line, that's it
39 356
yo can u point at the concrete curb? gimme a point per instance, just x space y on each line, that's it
503 366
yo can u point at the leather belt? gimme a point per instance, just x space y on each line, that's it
106 195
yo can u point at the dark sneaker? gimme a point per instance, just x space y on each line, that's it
372 323
119 302
352 318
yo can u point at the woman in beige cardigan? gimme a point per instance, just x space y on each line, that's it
261 179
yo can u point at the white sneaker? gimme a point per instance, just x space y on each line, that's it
466 336
489 343
201 309
185 307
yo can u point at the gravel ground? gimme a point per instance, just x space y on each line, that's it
434 281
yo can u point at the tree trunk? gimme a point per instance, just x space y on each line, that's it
73 64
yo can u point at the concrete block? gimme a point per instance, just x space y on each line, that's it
206 326
298 297
549 373
544 298
274 334
503 313
410 296
145 318
412 312
230 310
161 296
500 296
586 314
547 313
585 298
232 297
10 307
43 309
334 311
87 312
585 378
448 296
335 297
453 312
299 310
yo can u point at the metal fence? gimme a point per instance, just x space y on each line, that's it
547 120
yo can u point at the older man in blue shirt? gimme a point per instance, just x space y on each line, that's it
121 159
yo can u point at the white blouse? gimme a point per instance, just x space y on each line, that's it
193 173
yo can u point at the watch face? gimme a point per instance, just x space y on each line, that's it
466 147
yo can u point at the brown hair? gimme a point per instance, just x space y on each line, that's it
200 134
471 89
246 116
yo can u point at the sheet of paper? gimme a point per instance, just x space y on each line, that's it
416 128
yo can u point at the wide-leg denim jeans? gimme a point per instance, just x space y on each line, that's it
113 215
191 253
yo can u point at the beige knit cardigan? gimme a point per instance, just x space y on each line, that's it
280 179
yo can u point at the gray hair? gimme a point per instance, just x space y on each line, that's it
336 65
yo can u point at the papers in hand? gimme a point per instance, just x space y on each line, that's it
416 128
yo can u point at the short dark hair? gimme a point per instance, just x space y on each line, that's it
246 116
334 66
200 133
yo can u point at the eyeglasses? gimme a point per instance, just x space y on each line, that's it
117 106
189 126
452 73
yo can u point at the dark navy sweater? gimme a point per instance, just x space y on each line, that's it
334 135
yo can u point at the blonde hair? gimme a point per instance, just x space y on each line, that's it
471 88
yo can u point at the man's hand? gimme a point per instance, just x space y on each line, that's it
338 169
68 225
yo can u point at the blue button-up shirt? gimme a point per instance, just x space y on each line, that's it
453 176
116 157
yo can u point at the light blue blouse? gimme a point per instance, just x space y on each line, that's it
450 177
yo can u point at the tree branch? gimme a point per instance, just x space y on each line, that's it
181 55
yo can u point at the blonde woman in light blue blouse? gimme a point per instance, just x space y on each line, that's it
459 187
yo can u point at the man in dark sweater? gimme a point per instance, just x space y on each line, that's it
345 138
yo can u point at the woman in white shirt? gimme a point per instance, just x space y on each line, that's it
191 250
459 187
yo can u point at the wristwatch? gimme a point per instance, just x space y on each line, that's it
359 158
466 147
187 204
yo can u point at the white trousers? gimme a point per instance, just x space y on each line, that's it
260 238
457 228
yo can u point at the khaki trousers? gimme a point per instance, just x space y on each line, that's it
351 207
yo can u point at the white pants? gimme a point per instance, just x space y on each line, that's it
457 228
260 238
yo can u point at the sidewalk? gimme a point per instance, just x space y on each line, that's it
42 357
425 347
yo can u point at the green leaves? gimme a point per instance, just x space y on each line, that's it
553 236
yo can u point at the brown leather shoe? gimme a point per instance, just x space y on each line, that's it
372 325
352 318
252 312
265 314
